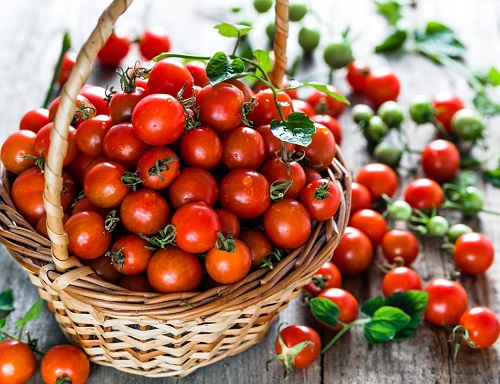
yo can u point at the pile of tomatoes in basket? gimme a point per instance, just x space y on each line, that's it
172 179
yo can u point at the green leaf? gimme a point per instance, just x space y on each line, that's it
263 60
492 176
438 39
390 9
413 303
386 321
405 333
6 303
2 323
33 313
393 42
232 30
494 76
221 68
325 311
485 106
298 129
370 306
328 91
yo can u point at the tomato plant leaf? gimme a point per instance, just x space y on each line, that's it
484 105
490 77
221 68
33 313
413 303
297 129
6 303
393 42
438 39
405 333
328 91
325 311
232 30
492 176
384 324
390 9
370 306
3 322
263 60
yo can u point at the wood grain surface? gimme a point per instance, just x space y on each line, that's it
31 32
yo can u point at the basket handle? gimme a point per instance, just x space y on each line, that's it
62 121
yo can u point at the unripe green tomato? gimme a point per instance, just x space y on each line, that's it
392 113
262 6
308 39
271 31
421 110
457 230
437 226
338 53
362 113
388 154
472 200
297 11
467 124
375 130
399 210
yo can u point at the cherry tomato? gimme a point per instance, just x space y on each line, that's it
424 194
265 111
65 360
482 325
90 135
311 175
400 279
371 223
258 243
84 109
468 125
228 267
473 253
328 276
103 184
158 167
153 41
354 252
446 104
193 185
295 334
447 302
122 145
243 147
322 149
302 106
97 97
130 254
247 91
272 144
103 267
287 224
135 283
332 124
400 243
169 76
357 72
34 119
201 147
122 104
229 222
360 197
87 237
67 64
144 211
382 85
196 227
321 198
245 193
379 179
198 70
324 104
346 302
17 362
14 149
115 49
174 270
275 169
440 160
42 143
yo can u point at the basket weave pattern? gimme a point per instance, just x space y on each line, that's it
153 334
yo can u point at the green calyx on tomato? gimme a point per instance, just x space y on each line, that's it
225 243
165 237
117 257
267 261
322 191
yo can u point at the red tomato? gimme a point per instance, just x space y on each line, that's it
424 194
275 169
360 197
243 147
440 160
245 193
287 224
122 104
400 243
357 72
473 253
382 85
159 119
42 143
193 185
324 104
346 302
400 279
158 167
247 91
229 222
371 223
115 49
130 254
78 167
103 267
228 267
174 270
379 179
321 198
331 123
96 95
265 111
322 149
354 252
67 64
90 135
144 211
103 184
295 334
84 109
220 106
272 144
302 106
328 276
445 104
65 360
482 325
34 119
17 145
196 227
447 302
201 147
17 362
311 175
258 243
198 70
169 76
121 144
135 283
153 41
87 237
84 204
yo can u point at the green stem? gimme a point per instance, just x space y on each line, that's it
19 338
180 56
66 45
341 332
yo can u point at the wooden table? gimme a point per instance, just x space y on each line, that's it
29 45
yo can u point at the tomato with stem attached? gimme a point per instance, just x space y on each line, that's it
266 110
87 235
158 167
400 244
276 169
327 276
321 198
65 361
322 149
18 151
347 304
228 261
103 184
258 243
324 104
482 326
130 254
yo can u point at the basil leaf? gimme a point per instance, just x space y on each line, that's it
390 9
413 303
325 310
438 39
369 307
33 313
393 42
6 303
324 88
232 30
386 321
263 60
220 68
298 129
492 176
405 333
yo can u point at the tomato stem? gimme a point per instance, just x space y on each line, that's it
342 331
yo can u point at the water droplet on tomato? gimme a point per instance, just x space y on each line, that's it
247 181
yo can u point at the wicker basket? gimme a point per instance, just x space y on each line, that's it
152 334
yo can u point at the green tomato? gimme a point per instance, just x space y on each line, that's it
271 31
421 110
262 6
297 11
472 200
457 230
388 154
362 113
308 39
392 114
375 130
338 53
467 125
437 226
399 210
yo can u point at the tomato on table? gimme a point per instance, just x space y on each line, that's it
154 41
354 253
400 244
473 253
447 302
379 179
17 362
382 85
65 360
115 49
400 279
424 194
347 304
482 326
440 160
371 223
446 104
